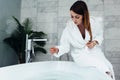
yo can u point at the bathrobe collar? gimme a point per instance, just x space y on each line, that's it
75 33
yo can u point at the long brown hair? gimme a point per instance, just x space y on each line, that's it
80 7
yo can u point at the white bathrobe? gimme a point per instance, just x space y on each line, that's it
72 41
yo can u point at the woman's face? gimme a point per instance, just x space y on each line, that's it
77 18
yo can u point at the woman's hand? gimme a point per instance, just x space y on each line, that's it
91 44
54 50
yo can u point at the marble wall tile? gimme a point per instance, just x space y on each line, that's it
112 54
114 2
117 77
28 12
52 39
117 70
96 13
112 33
111 9
114 60
64 3
63 19
61 26
50 9
112 18
47 27
97 7
64 11
28 3
47 3
47 17
94 2
112 45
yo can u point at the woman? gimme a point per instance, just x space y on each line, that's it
83 37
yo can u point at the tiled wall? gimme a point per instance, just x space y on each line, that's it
50 16
112 36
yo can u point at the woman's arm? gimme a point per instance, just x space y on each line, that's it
64 46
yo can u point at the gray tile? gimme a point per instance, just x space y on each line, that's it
117 69
47 3
61 27
64 11
64 57
111 9
96 13
113 2
112 32
114 60
47 17
63 19
117 77
112 45
94 2
112 54
47 27
52 39
98 7
111 24
112 18
30 3
48 9
28 12
66 2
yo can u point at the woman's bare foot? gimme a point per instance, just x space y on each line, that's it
109 73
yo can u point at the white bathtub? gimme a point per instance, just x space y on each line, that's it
51 70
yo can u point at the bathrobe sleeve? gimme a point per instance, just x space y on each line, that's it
64 46
97 29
